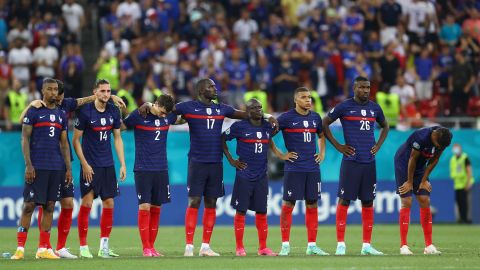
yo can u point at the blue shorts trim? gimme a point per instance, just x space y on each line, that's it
250 194
205 179
104 183
152 187
357 181
302 186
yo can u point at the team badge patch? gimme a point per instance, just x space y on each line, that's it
52 117
103 121
305 124
157 122
111 120
259 134
364 112
209 111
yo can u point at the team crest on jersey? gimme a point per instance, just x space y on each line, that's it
157 122
103 121
305 124
60 119
209 111
314 124
111 120
268 135
364 112
52 117
259 134
372 113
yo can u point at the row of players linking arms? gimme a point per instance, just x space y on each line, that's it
48 174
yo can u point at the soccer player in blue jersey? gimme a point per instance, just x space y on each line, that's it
205 171
358 177
302 131
47 160
67 105
95 123
151 169
250 191
414 161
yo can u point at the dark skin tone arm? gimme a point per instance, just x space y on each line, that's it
234 162
342 148
412 163
65 148
29 170
381 139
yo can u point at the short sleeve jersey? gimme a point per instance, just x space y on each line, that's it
299 133
48 124
420 140
358 123
97 127
205 123
150 140
252 147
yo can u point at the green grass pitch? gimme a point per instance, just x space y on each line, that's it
460 246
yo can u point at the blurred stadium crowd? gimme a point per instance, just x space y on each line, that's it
422 56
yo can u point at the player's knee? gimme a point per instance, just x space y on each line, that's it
210 202
311 203
194 202
28 208
144 206
344 202
368 203
407 202
49 207
108 203
423 201
67 203
290 204
241 213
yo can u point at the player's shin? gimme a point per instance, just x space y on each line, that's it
426 221
262 230
404 221
106 223
286 222
143 227
83 215
367 222
209 216
341 222
154 222
311 222
239 227
191 216
64 224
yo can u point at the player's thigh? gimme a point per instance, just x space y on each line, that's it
313 186
66 190
143 186
368 185
94 185
109 185
417 179
196 179
294 186
350 179
214 186
259 198
37 190
241 194
161 188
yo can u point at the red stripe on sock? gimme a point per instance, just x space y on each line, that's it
367 222
311 222
208 221
106 222
154 221
144 227
404 221
426 221
191 216
341 222
21 239
64 224
239 227
262 230
83 224
286 222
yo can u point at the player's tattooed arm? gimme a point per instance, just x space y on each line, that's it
319 157
234 162
381 139
118 142
412 164
290 156
66 157
86 168
29 170
144 109
85 100
342 148
118 101
35 103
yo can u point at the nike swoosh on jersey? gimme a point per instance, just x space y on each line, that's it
91 122
197 110
42 116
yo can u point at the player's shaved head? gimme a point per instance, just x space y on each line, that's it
201 85
48 81
300 90
206 89
165 101
253 102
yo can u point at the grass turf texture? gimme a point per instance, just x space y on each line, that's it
460 246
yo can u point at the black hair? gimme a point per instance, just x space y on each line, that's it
99 82
360 79
61 86
201 85
444 136
301 89
165 101
49 80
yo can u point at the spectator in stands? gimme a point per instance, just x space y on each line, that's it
107 67
424 75
471 25
20 57
323 80
20 31
450 32
406 93
389 67
14 105
51 28
460 84
117 44
244 28
71 67
305 11
284 82
74 18
237 78
45 58
129 12
389 17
